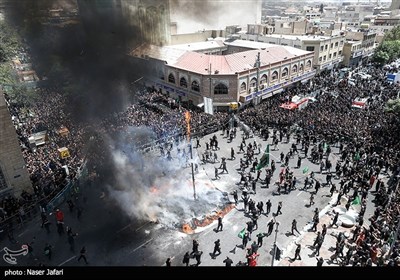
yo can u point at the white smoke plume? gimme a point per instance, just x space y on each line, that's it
149 187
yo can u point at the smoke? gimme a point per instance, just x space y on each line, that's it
152 188
192 16
84 52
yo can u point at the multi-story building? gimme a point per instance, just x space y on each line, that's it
13 174
245 76
327 49
367 39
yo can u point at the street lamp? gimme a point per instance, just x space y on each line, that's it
276 235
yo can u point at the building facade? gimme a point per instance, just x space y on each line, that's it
13 174
246 76
327 49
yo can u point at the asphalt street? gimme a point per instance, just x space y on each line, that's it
114 239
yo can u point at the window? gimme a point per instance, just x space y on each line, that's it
310 48
294 69
183 82
274 76
195 86
264 79
331 45
334 54
322 48
326 47
253 82
340 52
243 87
301 68
308 64
320 59
285 72
171 78
330 56
221 89
324 57
336 44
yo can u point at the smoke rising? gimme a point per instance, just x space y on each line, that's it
148 187
194 15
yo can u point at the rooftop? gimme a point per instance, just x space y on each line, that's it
200 46
299 37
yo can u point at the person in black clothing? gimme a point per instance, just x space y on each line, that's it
268 204
83 255
217 248
320 261
228 261
186 259
220 225
168 262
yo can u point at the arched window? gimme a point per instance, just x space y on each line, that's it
308 64
274 76
301 68
264 79
161 75
253 82
294 69
196 86
171 78
183 82
243 87
221 89
285 72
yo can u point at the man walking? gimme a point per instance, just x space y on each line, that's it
220 225
294 226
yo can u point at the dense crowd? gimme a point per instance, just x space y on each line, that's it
370 136
43 161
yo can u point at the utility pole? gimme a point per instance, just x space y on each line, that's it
209 73
189 139
257 65
276 235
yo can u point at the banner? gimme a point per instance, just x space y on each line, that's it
264 161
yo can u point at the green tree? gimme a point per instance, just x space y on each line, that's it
393 106
389 49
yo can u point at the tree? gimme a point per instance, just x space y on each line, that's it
393 106
389 49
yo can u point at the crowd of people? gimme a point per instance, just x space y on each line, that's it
48 171
370 137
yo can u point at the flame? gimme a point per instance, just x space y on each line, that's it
187 118
207 220
186 228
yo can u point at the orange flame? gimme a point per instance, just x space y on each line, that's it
209 219
187 118
187 229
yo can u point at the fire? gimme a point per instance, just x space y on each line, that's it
207 220
188 118
186 228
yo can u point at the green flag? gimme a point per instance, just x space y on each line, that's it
325 146
305 170
356 201
264 161
242 233
357 157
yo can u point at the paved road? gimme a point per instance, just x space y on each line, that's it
112 238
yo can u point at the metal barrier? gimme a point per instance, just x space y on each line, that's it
72 188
